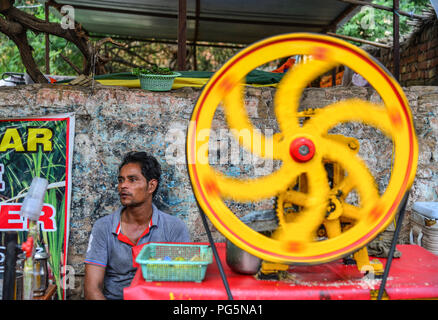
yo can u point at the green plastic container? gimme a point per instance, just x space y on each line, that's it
157 261
157 82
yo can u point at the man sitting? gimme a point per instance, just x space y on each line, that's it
109 261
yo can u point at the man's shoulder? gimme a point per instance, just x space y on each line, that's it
169 219
108 220
165 215
175 230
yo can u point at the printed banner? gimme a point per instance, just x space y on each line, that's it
38 147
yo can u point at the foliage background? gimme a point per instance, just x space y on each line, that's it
10 60
376 25
370 24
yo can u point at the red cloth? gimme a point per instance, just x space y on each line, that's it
413 276
285 66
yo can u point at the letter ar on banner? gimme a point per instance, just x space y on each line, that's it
38 147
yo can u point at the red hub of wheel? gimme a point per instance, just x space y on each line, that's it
302 149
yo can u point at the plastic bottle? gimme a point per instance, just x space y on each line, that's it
33 202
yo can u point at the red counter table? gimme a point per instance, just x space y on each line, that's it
412 276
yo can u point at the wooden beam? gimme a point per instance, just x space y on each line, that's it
182 34
173 42
376 44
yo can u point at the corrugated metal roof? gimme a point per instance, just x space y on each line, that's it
227 21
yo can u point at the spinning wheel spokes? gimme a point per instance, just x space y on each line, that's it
358 174
290 89
352 110
218 184
303 150
302 229
345 187
238 120
336 209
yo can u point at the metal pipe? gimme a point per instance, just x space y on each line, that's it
198 11
182 34
376 44
396 39
216 255
199 44
10 262
334 71
401 214
46 9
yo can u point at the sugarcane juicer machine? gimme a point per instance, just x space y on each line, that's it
315 223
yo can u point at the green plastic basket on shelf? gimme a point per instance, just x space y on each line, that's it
157 82
174 262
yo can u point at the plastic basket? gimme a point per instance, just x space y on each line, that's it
157 261
157 82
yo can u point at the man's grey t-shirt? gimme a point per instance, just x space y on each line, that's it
110 249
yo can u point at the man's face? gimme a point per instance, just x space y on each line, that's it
133 188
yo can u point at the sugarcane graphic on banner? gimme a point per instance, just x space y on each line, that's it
38 147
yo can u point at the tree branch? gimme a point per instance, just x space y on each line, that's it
76 36
17 33
16 24
133 54
5 5
71 64
29 63
9 27
126 63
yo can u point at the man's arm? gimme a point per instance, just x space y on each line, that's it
93 282
96 259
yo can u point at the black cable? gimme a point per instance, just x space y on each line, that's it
10 262
210 238
216 255
393 244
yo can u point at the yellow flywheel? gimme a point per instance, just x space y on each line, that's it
302 149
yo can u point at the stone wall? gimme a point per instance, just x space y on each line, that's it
113 121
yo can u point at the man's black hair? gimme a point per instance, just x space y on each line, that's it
150 167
